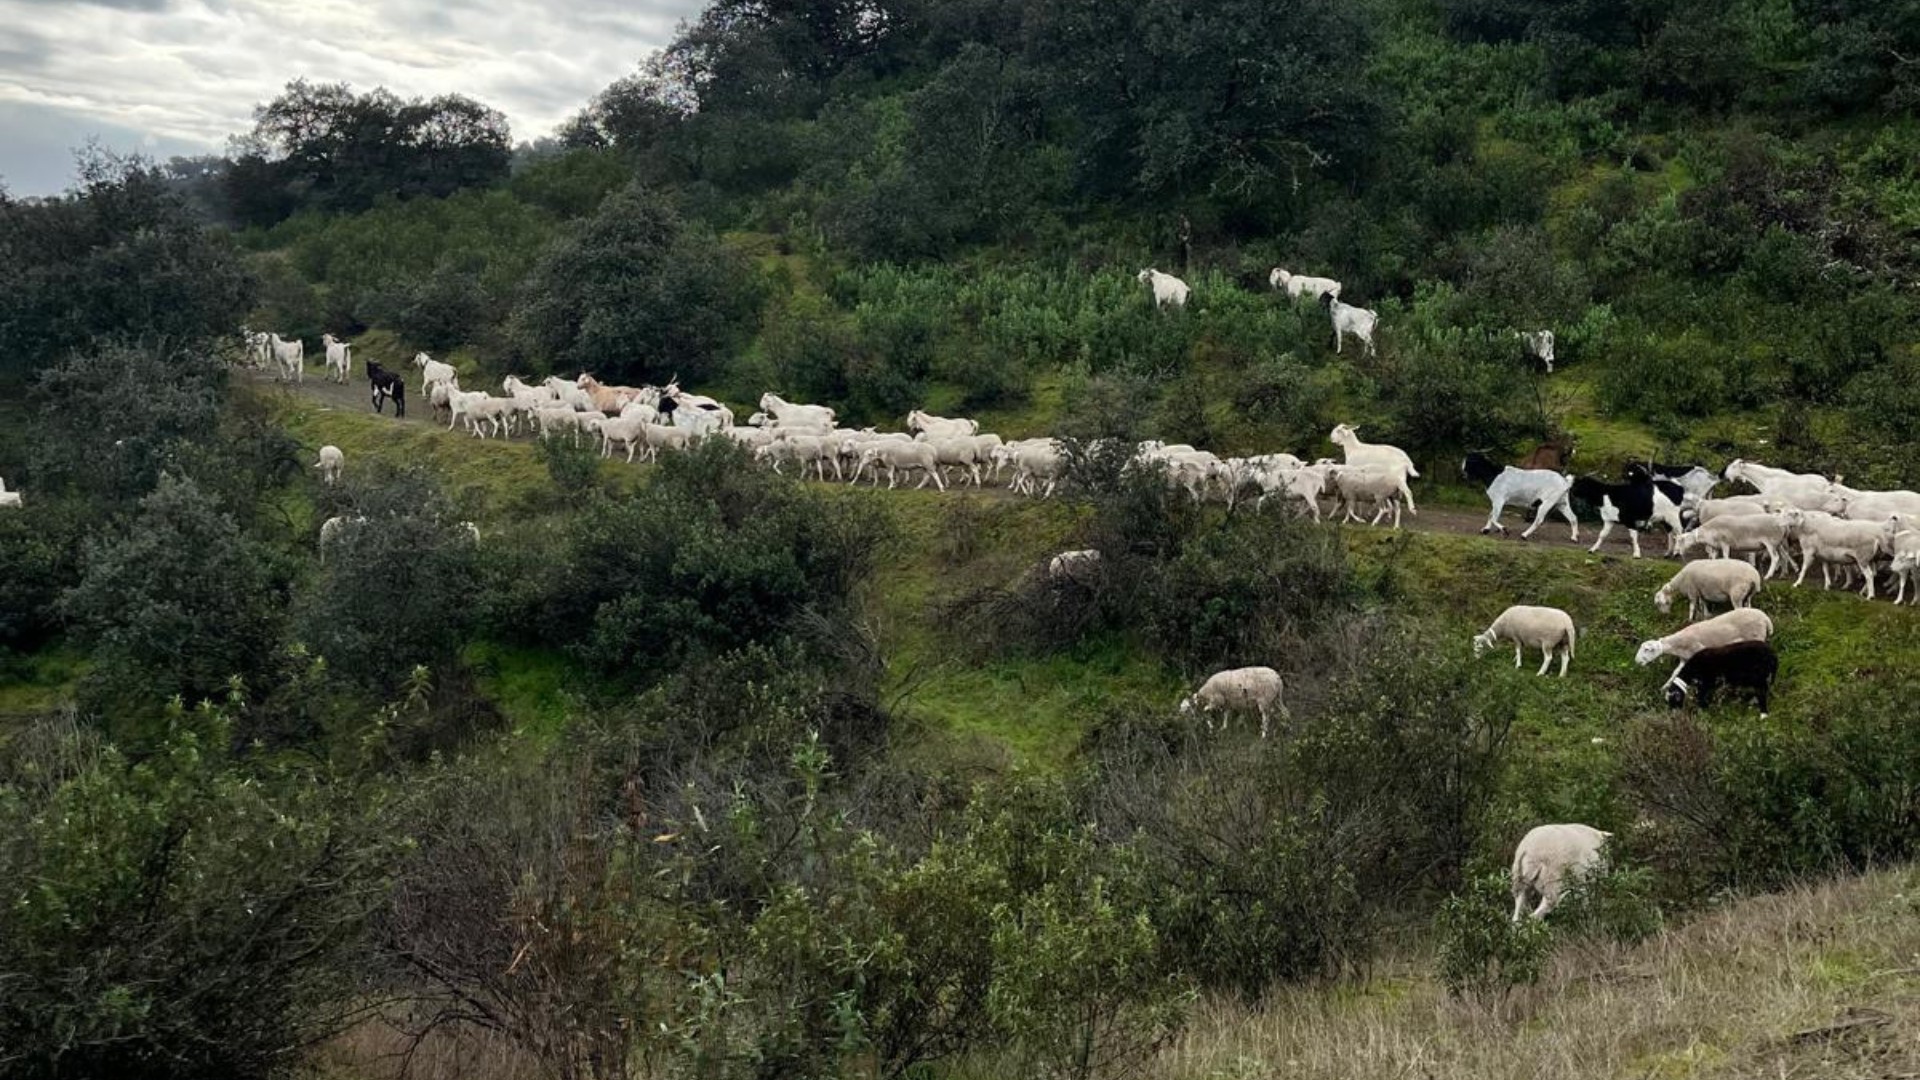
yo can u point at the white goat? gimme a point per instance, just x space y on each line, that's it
787 412
339 358
1299 285
1347 319
1168 291
432 371
1077 566
291 356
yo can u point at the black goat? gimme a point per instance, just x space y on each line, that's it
1745 665
1629 503
387 384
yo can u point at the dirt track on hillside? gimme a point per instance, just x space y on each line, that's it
355 396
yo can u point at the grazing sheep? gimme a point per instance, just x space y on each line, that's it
1168 291
1745 665
1299 285
1725 536
1707 582
1548 629
332 529
1740 624
1549 859
1522 488
1080 567
1347 438
1347 319
1238 690
1537 345
339 358
330 463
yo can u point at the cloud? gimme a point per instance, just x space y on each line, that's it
188 72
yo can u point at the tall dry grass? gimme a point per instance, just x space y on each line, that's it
1822 981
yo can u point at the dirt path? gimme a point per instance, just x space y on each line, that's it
355 396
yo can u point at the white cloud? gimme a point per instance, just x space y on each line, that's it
190 71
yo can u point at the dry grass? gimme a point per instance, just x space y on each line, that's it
1820 982
377 1051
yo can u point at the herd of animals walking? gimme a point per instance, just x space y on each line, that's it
1795 520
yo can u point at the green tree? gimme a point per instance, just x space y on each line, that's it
179 603
636 293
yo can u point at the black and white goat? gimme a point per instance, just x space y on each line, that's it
1630 503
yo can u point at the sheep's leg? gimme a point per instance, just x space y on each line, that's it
1516 656
1519 901
1396 513
1866 571
1263 720
1546 660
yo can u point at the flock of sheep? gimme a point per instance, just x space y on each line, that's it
1858 534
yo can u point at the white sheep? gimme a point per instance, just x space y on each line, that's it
1830 541
330 463
1076 566
10 499
901 457
624 431
662 437
1906 563
1710 581
816 450
1383 487
967 452
1740 624
1347 319
1033 463
339 358
1303 484
1238 690
1548 629
1299 285
1347 438
1168 291
1724 536
332 529
1549 859
1876 505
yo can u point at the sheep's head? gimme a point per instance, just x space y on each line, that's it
1649 651
1187 705
1676 691
1482 641
1663 599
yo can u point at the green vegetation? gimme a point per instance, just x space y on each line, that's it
696 770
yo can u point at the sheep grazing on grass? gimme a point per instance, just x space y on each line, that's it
1299 285
1168 291
1523 488
1255 689
1548 629
330 463
1744 665
1548 860
1347 319
1708 582
1079 567
1740 624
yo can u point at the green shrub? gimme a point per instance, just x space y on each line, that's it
1480 950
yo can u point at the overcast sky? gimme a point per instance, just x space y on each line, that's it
178 76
